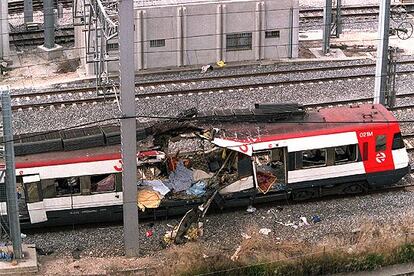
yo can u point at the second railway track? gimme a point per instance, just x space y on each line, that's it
87 94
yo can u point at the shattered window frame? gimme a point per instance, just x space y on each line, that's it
353 153
307 164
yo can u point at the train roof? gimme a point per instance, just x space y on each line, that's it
322 121
264 122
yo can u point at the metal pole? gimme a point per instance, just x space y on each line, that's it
290 47
28 11
10 180
382 53
128 126
327 22
392 70
4 30
338 18
49 23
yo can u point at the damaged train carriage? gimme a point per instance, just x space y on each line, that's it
229 158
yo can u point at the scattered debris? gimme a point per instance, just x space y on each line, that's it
201 175
44 252
206 68
316 219
265 231
251 209
148 198
6 255
198 189
76 253
303 221
157 186
180 179
290 224
235 256
246 236
221 63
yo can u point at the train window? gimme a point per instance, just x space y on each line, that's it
270 165
102 183
118 182
85 185
314 158
380 143
32 192
291 161
67 186
244 166
345 154
397 142
298 160
48 188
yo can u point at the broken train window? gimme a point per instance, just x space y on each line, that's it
345 154
270 168
314 158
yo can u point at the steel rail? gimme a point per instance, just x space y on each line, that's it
142 85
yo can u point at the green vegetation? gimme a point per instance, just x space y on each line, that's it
311 264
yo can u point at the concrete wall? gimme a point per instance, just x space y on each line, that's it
195 34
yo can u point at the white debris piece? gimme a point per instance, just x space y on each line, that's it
265 231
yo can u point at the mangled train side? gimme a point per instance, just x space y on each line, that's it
222 159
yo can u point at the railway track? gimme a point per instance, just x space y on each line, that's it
347 11
18 6
66 34
87 94
36 37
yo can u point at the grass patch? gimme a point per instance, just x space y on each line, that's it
369 247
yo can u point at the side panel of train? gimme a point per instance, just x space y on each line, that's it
368 159
342 162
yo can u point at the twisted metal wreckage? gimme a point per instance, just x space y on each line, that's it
219 167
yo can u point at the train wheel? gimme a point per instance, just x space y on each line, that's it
353 189
302 195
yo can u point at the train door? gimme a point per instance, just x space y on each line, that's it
270 170
34 201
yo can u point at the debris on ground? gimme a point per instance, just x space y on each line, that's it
198 189
221 63
265 231
250 209
206 68
235 256
246 236
303 221
316 219
180 179
149 233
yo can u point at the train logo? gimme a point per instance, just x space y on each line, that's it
380 157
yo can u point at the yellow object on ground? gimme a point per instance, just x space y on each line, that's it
148 199
221 63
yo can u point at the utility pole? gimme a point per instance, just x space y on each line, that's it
49 24
4 30
382 53
392 72
128 126
327 22
28 11
338 18
10 180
